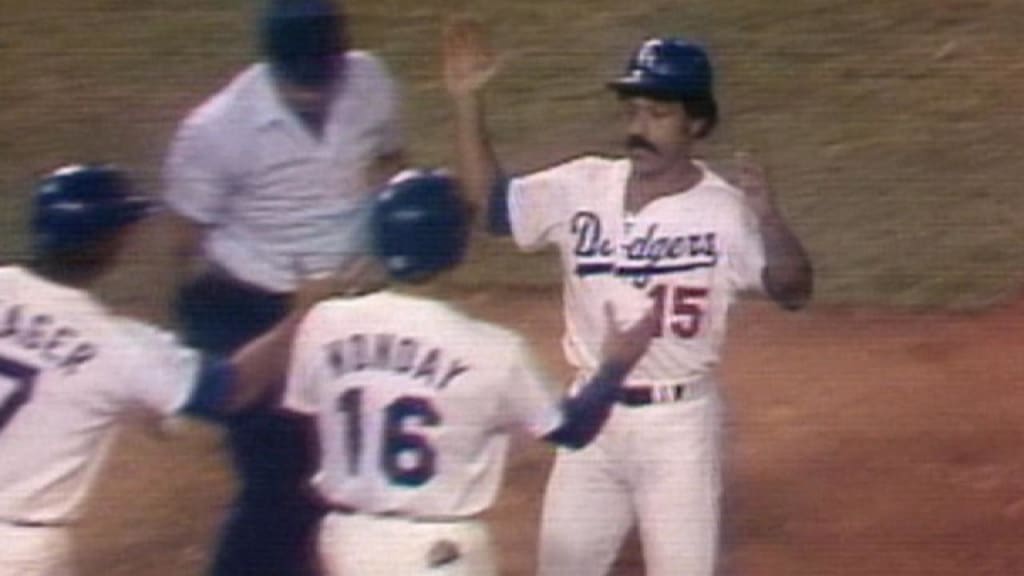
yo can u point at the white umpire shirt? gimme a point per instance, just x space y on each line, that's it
268 192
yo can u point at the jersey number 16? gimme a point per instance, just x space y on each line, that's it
406 458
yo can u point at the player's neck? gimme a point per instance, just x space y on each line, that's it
644 188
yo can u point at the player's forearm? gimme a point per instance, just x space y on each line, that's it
478 165
788 274
585 414
249 377
261 365
184 239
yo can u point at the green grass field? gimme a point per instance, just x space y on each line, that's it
891 129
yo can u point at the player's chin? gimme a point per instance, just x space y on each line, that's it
644 161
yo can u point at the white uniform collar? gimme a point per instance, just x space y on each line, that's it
267 107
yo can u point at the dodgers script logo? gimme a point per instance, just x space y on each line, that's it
644 253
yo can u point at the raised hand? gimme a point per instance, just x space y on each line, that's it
467 58
750 177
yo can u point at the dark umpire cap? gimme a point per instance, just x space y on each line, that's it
667 68
302 40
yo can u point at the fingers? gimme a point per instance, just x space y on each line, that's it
748 170
468 60
609 315
743 157
624 348
646 324
646 327
462 30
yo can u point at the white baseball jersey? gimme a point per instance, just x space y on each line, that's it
268 191
413 401
687 255
68 370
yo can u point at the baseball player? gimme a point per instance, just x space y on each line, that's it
271 174
70 369
414 399
660 227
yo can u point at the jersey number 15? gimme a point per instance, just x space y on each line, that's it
678 307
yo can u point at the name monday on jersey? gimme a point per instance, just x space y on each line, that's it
400 355
644 251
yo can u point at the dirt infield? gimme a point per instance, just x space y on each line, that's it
861 443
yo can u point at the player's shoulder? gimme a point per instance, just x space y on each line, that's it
365 71
584 168
595 164
716 189
20 281
342 311
364 62
419 311
236 99
488 333
67 305
142 334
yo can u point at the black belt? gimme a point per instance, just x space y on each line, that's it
647 395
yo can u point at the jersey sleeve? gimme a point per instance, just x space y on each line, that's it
527 401
195 178
376 90
305 371
746 252
159 373
388 132
538 203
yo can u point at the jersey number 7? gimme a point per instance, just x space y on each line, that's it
23 379
680 307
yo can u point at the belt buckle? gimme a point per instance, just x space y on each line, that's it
667 393
653 394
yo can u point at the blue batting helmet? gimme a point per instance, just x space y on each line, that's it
78 204
420 225
667 68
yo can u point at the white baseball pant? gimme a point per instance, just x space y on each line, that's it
365 545
657 466
35 551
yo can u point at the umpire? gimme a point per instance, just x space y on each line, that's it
269 176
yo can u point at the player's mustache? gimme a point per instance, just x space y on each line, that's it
641 143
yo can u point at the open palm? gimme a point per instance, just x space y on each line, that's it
467 57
